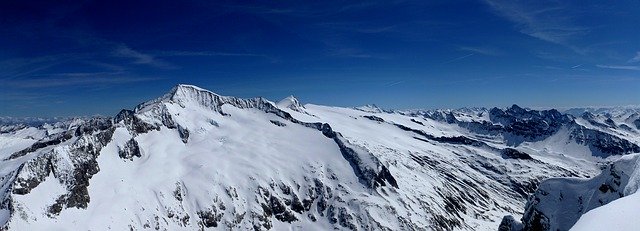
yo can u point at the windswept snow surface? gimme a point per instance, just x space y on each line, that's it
619 215
193 159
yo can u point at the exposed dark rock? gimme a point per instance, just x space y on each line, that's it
610 122
371 176
278 123
35 171
591 118
209 218
82 154
57 139
463 140
460 140
418 122
559 202
529 124
510 153
93 125
177 193
374 118
130 150
450 118
56 207
602 144
509 223
626 127
184 133
133 123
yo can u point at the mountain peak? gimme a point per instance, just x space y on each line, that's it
516 108
290 102
187 91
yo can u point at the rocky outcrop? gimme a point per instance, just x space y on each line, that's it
72 167
50 141
510 153
374 118
558 203
602 144
530 125
129 150
132 122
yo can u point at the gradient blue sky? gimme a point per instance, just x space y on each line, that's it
96 57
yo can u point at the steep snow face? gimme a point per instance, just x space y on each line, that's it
559 202
621 215
291 103
193 159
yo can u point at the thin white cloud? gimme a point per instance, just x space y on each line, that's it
394 83
620 67
547 21
636 58
459 58
208 53
355 53
20 67
60 81
140 58
481 50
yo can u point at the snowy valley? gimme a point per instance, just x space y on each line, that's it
194 160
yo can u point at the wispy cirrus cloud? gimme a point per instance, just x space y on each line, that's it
71 79
635 58
355 53
548 21
459 58
620 67
21 67
481 50
140 58
207 53
630 64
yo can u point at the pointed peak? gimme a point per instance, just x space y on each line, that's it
183 88
290 98
588 115
516 109
186 92
180 93
290 102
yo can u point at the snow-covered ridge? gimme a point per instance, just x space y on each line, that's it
193 159
188 94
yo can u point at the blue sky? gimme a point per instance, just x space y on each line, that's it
96 57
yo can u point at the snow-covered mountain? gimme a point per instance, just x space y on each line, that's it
193 159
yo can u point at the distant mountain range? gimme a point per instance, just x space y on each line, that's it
195 160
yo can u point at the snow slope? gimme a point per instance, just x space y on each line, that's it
193 159
621 215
